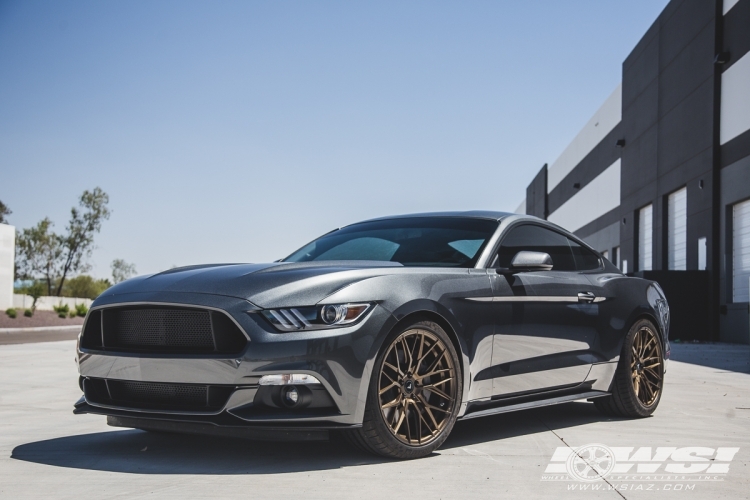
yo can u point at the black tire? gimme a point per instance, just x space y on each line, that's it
632 370
376 435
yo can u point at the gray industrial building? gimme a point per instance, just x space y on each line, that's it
659 178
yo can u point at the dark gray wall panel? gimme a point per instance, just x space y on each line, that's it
641 67
641 114
688 129
688 71
736 37
536 195
736 149
679 27
639 164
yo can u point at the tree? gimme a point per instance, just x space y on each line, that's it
85 287
38 253
122 270
79 242
4 210
35 291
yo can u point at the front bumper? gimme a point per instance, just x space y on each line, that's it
341 359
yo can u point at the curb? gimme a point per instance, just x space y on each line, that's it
41 329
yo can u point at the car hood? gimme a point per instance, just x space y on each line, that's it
279 284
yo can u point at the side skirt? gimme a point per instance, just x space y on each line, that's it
535 404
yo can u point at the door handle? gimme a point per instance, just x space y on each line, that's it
586 297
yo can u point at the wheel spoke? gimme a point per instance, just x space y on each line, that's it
429 412
437 391
388 387
422 358
393 403
436 372
435 363
396 369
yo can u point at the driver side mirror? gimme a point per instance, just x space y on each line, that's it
528 261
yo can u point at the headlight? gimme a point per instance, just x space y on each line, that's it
316 317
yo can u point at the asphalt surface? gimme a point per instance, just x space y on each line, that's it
46 451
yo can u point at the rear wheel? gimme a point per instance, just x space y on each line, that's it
639 379
414 394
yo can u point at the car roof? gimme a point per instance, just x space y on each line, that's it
469 214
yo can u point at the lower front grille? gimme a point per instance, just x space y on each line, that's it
157 396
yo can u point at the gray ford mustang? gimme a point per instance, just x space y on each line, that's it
387 331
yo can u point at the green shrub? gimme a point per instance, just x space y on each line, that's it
62 315
28 313
72 314
11 312
81 310
61 309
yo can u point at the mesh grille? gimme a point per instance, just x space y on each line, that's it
155 392
159 329
157 396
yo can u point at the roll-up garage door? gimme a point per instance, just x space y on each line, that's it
677 230
645 238
741 252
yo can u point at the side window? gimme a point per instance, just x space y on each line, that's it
586 260
537 239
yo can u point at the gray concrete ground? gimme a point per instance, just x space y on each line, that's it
34 335
46 451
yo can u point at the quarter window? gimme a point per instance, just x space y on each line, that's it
585 259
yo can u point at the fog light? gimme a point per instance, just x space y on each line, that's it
291 396
288 379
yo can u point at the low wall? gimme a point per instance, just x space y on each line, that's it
21 301
7 255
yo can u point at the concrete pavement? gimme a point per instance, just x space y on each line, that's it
46 451
39 334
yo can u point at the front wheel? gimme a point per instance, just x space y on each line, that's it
639 379
414 394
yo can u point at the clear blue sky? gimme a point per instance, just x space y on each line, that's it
237 131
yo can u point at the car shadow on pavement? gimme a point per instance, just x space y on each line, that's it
139 452
513 424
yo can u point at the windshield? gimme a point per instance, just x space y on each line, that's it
418 241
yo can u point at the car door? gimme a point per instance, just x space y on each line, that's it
546 321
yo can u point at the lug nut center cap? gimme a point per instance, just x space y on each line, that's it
409 386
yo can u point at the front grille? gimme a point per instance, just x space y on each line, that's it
183 329
177 330
157 396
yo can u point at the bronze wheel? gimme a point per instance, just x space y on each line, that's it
414 394
646 366
639 379
417 386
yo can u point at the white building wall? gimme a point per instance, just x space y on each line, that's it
728 4
21 301
597 128
595 199
735 100
7 260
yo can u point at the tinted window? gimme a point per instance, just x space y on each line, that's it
586 260
417 241
537 239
